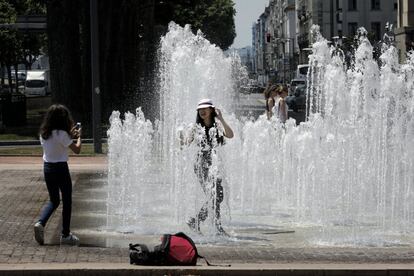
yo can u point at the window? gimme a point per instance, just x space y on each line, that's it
352 28
303 70
352 5
375 4
376 30
35 83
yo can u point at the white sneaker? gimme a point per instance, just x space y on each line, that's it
39 233
70 239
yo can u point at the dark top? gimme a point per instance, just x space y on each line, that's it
206 144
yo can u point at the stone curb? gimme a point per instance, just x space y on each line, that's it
237 269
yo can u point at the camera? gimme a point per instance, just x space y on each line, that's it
78 125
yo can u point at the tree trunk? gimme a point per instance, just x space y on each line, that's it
127 49
64 54
16 80
148 45
86 87
126 55
2 76
9 76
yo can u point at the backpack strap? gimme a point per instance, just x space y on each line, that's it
164 247
210 264
160 252
133 246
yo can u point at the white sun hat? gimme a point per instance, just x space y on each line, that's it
204 103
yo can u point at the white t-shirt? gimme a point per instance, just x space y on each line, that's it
55 148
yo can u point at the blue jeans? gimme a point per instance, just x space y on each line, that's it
57 179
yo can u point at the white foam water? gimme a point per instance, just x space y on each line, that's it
348 170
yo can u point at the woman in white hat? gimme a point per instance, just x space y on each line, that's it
212 135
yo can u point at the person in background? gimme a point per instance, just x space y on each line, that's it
56 136
277 103
214 129
270 93
280 108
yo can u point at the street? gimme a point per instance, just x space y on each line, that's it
253 105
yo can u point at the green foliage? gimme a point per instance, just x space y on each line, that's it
218 23
8 37
215 18
7 12
15 46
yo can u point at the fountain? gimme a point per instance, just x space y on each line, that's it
347 173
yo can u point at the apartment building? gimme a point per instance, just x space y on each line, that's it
285 28
404 34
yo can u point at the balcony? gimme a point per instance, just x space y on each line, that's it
289 5
303 14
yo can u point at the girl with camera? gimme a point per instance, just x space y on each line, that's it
56 136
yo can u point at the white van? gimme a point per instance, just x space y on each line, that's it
302 71
37 83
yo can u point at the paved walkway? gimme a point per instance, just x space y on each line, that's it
23 193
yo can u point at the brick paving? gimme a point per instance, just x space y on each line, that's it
23 193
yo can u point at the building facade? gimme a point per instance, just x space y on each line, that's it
259 48
404 34
285 28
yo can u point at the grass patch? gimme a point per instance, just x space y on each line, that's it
36 112
87 149
14 137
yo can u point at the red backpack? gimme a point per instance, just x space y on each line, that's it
180 249
176 250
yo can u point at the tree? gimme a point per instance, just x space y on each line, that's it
215 18
32 44
65 56
8 38
124 28
218 23
18 47
129 33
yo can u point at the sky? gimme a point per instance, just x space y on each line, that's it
247 12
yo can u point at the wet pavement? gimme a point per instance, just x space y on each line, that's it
23 193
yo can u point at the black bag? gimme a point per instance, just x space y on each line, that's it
139 254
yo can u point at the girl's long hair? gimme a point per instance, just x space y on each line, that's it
200 121
281 88
267 93
269 90
57 117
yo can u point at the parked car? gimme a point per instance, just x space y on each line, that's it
294 83
302 71
251 88
297 100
